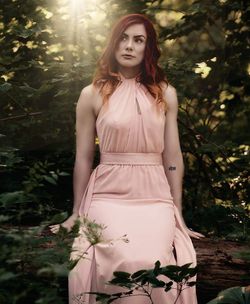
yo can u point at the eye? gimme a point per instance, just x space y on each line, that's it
139 40
123 38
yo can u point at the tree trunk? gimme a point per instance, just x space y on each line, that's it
219 267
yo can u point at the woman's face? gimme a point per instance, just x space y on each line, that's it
131 48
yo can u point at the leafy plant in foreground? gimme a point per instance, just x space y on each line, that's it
234 295
143 281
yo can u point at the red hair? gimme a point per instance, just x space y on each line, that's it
106 75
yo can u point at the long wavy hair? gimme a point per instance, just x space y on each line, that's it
106 76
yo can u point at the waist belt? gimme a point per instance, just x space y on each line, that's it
112 158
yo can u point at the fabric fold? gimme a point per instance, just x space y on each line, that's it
128 192
87 196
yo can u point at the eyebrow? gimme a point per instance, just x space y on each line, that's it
136 36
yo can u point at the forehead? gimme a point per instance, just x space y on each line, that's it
135 30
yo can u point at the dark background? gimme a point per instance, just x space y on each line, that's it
48 54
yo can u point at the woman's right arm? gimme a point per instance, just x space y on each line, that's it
85 150
85 144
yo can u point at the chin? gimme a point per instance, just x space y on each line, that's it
128 64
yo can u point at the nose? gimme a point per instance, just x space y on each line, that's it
129 46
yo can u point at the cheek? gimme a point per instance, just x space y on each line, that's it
120 46
141 50
118 50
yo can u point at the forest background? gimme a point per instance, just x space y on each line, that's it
48 54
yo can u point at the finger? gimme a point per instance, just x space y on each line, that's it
199 234
193 234
202 236
196 233
54 229
54 226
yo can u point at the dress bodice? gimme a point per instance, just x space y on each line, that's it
131 122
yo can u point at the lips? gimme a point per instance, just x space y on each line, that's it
127 56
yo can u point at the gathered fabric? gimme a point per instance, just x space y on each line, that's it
128 192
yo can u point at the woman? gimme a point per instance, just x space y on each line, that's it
136 190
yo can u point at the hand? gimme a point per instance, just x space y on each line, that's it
193 233
190 231
68 224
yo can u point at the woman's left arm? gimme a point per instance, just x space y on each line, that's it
172 154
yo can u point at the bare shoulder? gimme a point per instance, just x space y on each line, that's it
168 90
170 95
88 97
88 93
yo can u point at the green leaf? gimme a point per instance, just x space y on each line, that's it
157 283
157 268
11 197
5 87
123 282
60 270
63 174
168 286
121 274
232 295
137 274
172 268
24 33
61 92
6 276
59 217
28 88
50 180
4 218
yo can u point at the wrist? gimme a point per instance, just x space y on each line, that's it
74 214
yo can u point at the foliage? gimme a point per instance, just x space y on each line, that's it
213 113
234 295
24 197
34 265
143 281
48 54
44 66
245 255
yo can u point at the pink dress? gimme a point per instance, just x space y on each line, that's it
129 193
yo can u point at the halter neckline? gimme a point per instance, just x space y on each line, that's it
135 78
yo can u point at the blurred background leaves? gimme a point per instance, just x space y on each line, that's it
48 54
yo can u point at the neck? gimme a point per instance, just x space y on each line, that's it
129 72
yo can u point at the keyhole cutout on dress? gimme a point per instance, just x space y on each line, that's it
138 106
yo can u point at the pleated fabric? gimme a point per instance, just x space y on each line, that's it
129 193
